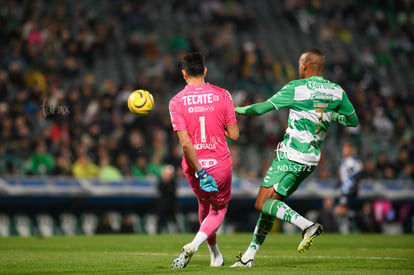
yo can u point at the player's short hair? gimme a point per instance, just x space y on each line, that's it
315 52
315 59
193 64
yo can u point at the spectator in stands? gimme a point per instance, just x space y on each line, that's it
167 202
140 168
407 172
327 217
84 168
108 172
136 144
127 225
104 225
384 167
365 219
41 161
144 168
63 166
382 124
80 48
123 164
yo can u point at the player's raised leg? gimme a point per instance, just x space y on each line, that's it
282 211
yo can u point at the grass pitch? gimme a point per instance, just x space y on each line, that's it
145 254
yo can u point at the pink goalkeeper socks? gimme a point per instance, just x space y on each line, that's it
202 211
212 222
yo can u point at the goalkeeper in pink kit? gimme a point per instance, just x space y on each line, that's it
203 117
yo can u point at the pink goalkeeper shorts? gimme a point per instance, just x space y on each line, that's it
223 179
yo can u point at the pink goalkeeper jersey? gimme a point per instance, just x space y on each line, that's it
204 110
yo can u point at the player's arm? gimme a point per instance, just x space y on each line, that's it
255 109
345 115
207 182
188 149
346 120
232 132
280 100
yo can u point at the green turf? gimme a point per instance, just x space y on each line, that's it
144 254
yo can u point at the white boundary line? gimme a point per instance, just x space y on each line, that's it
340 257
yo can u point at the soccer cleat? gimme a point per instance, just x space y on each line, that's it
240 262
308 235
217 262
184 258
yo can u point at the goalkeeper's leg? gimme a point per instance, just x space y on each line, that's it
208 227
216 258
210 220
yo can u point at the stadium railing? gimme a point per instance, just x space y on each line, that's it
146 188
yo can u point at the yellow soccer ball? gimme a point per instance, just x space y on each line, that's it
140 102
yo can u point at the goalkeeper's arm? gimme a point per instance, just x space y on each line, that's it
346 120
255 109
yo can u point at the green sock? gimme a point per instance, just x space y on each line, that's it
282 211
263 226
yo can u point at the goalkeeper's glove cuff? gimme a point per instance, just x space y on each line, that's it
202 173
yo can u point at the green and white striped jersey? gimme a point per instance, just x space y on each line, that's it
311 102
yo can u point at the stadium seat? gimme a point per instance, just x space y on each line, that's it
68 224
4 225
137 222
181 222
23 225
223 227
289 228
115 220
392 228
89 223
192 222
150 221
45 225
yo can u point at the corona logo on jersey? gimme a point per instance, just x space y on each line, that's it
140 102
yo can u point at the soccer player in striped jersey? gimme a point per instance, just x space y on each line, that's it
314 102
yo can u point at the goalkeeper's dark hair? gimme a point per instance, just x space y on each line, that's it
193 64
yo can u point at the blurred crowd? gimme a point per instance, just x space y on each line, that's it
67 68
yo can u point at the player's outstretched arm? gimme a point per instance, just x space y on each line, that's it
255 109
346 120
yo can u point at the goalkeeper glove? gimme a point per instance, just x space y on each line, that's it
207 182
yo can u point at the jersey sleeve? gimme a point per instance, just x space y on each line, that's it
345 108
283 98
176 115
230 118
